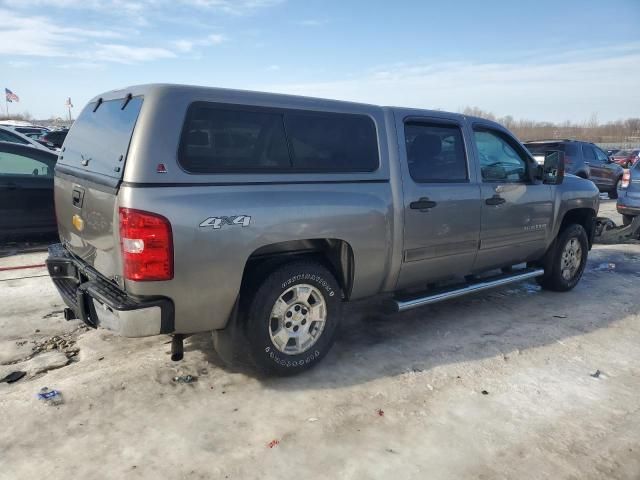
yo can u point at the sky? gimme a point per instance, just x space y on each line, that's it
544 60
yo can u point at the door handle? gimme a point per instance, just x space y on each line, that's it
495 200
423 204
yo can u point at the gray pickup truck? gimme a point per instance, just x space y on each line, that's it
185 209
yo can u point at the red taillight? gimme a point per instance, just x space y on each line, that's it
146 243
626 178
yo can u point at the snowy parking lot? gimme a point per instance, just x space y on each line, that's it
510 383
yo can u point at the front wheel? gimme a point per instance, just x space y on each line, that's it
568 260
292 319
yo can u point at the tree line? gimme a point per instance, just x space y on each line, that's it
621 132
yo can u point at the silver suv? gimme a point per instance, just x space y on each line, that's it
184 209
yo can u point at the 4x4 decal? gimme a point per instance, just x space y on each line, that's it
218 222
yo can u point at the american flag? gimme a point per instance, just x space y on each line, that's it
11 97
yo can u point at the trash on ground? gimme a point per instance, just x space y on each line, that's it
605 267
596 374
380 412
13 377
484 392
312 419
185 379
273 443
50 397
560 316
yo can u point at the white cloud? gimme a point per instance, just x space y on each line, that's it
127 54
19 63
187 45
312 22
39 36
273 68
557 91
234 7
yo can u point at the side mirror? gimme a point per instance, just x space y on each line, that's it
553 168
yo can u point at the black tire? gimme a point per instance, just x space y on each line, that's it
267 355
613 193
626 220
553 278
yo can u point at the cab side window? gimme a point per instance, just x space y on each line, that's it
500 159
435 153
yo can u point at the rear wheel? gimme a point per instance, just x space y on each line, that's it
568 258
613 193
292 319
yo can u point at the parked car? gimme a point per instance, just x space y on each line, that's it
26 190
585 160
626 158
266 212
8 134
34 133
628 204
29 131
56 137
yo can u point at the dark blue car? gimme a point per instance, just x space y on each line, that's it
26 190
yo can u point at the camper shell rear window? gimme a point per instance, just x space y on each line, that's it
219 138
99 138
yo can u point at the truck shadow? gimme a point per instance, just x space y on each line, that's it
499 323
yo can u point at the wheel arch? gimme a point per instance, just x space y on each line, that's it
334 254
582 216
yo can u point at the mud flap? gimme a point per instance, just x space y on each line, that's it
230 342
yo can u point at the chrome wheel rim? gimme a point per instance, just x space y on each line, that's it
571 258
297 319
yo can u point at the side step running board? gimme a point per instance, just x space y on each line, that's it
400 305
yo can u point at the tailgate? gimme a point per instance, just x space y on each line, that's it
88 175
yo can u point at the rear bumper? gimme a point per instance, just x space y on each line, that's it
100 303
627 205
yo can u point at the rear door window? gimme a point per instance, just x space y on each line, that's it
99 140
225 139
435 152
13 165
